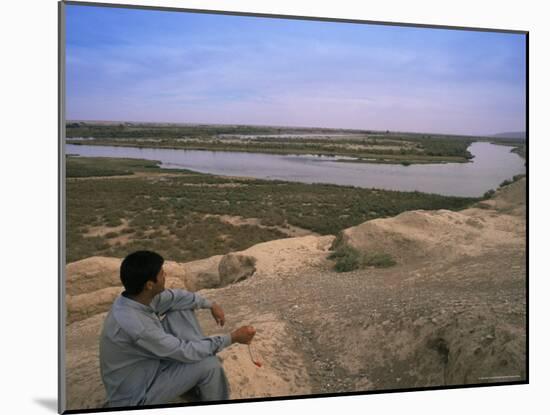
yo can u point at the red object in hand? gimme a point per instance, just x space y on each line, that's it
254 359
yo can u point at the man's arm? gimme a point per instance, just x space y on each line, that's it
166 346
177 299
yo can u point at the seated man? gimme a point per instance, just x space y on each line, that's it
152 348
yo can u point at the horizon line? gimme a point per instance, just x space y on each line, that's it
294 126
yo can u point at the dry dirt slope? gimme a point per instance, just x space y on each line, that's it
452 311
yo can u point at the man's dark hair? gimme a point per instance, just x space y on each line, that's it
138 268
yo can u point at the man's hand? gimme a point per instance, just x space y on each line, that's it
218 314
243 335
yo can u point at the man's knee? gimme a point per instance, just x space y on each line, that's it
213 384
209 369
211 363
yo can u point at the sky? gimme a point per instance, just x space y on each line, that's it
162 66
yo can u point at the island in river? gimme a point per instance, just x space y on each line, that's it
359 145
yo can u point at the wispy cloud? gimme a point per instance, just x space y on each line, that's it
294 73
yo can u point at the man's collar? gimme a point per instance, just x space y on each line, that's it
124 301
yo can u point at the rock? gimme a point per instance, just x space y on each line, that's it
202 273
234 268
92 285
82 306
92 274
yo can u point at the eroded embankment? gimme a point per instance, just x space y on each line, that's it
451 311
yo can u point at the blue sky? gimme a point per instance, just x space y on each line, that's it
143 65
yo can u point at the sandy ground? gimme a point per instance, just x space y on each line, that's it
452 311
289 230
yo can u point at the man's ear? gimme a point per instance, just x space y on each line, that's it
149 285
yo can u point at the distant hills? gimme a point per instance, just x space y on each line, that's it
512 135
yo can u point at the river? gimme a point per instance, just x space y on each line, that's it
490 166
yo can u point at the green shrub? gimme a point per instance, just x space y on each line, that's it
518 177
112 221
512 180
488 194
347 259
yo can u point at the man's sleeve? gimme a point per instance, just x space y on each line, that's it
177 299
166 346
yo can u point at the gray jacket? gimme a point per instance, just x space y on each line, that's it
133 343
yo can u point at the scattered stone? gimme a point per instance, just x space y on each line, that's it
235 267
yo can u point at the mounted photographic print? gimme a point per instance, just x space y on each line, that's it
258 207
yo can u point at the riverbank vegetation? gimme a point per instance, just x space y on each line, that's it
491 192
100 167
115 206
361 145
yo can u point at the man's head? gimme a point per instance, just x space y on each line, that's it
142 271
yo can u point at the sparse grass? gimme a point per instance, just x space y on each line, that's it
178 204
491 192
101 166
